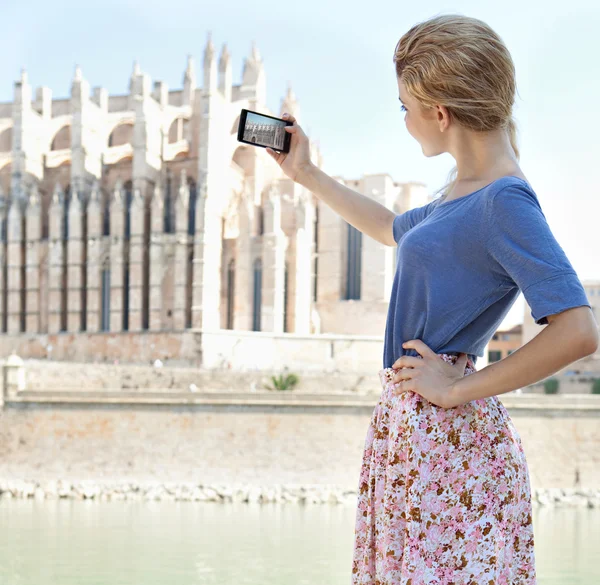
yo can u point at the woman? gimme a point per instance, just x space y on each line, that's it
444 492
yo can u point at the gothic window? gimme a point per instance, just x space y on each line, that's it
6 140
316 260
257 295
178 130
192 207
106 215
62 139
128 199
23 276
230 293
353 265
169 220
3 229
261 221
65 272
285 297
66 206
121 134
126 261
105 296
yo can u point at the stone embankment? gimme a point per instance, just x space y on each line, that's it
303 494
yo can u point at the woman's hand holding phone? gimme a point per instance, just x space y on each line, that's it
296 162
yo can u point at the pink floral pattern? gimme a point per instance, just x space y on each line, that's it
444 495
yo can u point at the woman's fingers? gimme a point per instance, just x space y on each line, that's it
403 375
288 117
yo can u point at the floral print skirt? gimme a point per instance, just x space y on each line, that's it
444 495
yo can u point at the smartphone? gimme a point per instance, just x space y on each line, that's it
262 130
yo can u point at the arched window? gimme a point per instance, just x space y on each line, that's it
285 297
105 295
6 140
65 272
106 215
121 134
257 295
353 265
316 260
192 206
128 198
178 130
126 256
168 216
66 206
261 221
230 293
62 139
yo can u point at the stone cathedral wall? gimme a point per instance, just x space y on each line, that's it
142 213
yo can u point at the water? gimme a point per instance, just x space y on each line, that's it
71 542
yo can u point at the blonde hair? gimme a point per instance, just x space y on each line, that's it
461 63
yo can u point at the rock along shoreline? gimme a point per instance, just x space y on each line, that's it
193 492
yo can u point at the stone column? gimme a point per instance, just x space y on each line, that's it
275 244
27 154
305 217
87 144
213 165
206 291
136 261
117 221
74 262
34 234
156 259
242 314
15 280
94 260
55 259
332 235
147 164
181 253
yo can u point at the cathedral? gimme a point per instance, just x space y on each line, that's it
143 212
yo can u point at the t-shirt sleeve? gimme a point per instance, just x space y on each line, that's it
409 219
525 252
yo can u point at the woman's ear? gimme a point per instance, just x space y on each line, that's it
443 118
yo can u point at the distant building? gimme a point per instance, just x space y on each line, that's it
592 291
142 212
504 342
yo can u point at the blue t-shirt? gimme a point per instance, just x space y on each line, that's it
462 263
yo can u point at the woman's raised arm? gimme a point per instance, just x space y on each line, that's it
365 214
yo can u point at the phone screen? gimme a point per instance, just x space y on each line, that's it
262 130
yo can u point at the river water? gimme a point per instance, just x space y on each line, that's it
72 542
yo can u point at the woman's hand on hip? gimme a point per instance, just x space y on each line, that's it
297 161
429 375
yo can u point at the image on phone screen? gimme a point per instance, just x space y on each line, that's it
262 130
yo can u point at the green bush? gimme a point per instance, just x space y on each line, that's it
596 386
282 382
551 386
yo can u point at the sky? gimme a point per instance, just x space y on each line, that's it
338 58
